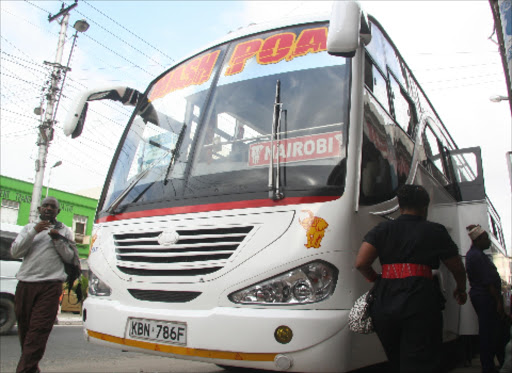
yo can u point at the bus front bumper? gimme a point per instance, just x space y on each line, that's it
230 336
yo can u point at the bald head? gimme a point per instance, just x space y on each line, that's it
49 209
50 200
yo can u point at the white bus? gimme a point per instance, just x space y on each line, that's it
243 184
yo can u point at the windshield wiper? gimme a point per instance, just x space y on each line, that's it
175 154
112 208
274 186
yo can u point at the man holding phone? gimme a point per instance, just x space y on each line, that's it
44 246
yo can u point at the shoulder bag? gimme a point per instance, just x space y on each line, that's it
359 319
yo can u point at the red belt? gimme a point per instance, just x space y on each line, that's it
402 270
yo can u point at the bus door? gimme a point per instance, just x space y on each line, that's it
467 186
467 171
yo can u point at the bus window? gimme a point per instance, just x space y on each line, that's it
496 229
464 166
376 48
376 83
434 162
143 166
387 155
403 107
234 150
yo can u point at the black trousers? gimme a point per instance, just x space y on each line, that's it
490 330
412 343
36 305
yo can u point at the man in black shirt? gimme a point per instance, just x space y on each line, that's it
407 308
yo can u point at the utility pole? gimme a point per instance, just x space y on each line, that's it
46 127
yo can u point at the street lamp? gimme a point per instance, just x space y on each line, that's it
57 164
81 25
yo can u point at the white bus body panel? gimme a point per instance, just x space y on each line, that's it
213 322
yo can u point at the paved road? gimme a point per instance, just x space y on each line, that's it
67 351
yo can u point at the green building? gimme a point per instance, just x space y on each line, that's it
76 211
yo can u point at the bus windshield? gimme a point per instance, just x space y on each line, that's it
215 125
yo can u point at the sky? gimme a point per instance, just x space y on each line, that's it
448 44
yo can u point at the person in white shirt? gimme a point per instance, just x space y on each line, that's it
44 246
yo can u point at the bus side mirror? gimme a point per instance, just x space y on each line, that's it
348 27
127 96
80 122
75 120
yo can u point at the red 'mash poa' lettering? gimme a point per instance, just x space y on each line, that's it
241 54
276 48
310 41
194 72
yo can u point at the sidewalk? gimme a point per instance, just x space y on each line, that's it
69 318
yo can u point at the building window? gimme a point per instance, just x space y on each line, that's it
79 227
9 211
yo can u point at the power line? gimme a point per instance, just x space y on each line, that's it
38 7
462 78
24 66
124 28
440 53
117 54
14 46
463 85
13 112
22 80
15 122
21 59
16 96
122 40
26 20
22 133
93 68
458 67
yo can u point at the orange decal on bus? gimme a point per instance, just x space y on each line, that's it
241 54
315 229
310 41
206 67
194 72
276 48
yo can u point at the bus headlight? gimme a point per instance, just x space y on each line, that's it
98 287
310 283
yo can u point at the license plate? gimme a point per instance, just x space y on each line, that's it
158 331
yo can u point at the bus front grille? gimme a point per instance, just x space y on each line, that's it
196 252
164 296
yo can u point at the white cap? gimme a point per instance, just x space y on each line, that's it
475 232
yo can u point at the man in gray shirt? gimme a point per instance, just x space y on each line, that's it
44 246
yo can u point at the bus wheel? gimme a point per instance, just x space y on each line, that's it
7 316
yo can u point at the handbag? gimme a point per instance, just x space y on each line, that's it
359 319
73 270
